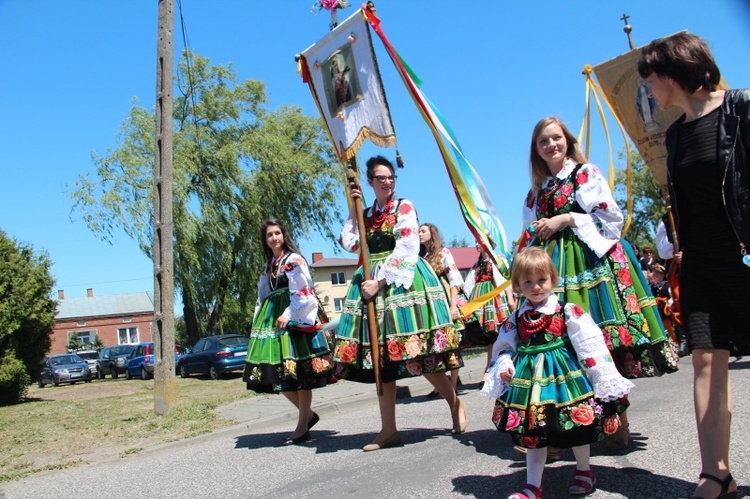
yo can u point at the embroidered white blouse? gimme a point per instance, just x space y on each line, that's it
303 306
601 226
398 268
451 270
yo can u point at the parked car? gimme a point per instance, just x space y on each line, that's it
141 361
90 357
112 360
64 368
214 356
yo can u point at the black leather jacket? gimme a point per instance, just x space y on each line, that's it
734 147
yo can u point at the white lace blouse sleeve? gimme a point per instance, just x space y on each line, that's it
497 277
664 248
449 264
398 268
594 357
503 352
349 239
263 289
528 212
600 227
469 282
303 306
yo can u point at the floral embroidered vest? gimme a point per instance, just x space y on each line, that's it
379 233
558 196
483 271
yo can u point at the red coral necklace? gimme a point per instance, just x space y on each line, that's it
379 218
532 322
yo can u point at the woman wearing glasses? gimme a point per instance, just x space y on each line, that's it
413 315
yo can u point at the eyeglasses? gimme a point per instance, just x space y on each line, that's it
385 178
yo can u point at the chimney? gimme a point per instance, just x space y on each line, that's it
317 257
90 292
60 294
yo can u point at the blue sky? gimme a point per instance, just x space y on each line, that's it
72 70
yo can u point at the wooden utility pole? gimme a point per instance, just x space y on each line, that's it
164 367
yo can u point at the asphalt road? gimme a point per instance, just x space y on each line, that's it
661 462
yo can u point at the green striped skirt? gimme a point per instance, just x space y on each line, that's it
550 401
284 360
613 290
415 330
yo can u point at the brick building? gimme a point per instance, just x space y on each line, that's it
115 319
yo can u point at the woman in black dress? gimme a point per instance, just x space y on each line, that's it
709 181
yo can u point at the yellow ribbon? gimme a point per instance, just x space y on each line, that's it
593 88
479 301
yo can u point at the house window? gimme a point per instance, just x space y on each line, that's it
85 337
127 335
338 278
338 304
127 319
81 323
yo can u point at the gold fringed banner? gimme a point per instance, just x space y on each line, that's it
344 78
644 121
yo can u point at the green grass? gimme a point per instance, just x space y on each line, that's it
40 435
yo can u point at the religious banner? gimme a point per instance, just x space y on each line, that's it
344 78
645 123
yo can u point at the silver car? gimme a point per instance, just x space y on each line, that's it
64 368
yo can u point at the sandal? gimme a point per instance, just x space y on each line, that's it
583 483
724 494
527 492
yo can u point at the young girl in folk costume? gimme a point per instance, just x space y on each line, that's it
280 359
414 325
483 277
442 262
572 214
555 379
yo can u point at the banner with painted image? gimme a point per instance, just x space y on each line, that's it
643 120
344 78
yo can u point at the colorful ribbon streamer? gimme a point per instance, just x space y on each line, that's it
472 196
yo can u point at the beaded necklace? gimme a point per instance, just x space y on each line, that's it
275 271
532 322
379 218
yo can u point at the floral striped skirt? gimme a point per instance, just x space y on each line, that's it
614 291
415 330
284 360
550 401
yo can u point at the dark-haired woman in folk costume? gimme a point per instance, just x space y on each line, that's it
281 359
413 317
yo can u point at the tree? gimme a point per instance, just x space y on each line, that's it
236 162
74 344
648 205
458 243
27 315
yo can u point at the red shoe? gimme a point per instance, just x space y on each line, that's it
527 492
583 483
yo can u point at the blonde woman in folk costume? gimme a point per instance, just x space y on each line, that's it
572 214
279 358
415 327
